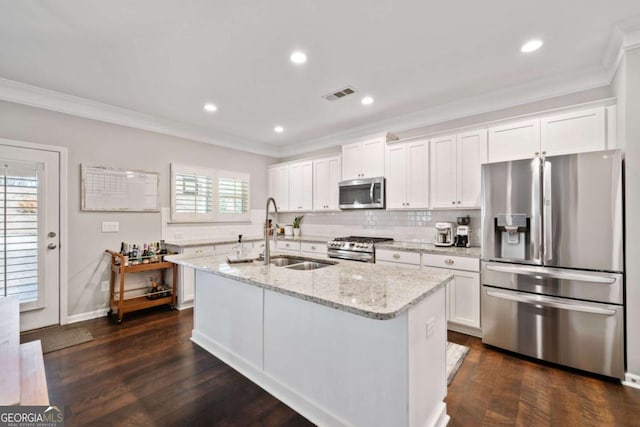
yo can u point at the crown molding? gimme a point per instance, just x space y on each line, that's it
21 93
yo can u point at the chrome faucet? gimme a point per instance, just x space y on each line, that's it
267 253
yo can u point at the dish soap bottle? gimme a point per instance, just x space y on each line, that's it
241 250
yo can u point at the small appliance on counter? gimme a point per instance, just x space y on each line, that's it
463 231
444 234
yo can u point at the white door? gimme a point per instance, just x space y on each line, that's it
471 151
373 158
295 187
514 141
334 178
352 161
30 228
396 176
320 185
418 174
443 172
464 299
575 132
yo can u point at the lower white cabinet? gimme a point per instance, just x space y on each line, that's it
398 258
186 275
463 292
314 249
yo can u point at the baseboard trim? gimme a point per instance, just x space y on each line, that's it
185 305
74 318
467 330
631 380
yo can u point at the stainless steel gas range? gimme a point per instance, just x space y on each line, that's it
356 248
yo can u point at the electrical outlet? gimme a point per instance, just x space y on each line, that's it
110 226
104 285
430 326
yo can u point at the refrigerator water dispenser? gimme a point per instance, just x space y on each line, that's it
514 239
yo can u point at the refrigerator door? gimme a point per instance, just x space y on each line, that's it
582 213
511 211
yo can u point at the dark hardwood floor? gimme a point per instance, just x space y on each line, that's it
146 372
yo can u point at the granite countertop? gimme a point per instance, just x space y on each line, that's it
226 240
430 248
369 290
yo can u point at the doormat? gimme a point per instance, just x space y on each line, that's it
58 337
455 355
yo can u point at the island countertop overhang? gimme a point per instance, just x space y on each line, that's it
370 290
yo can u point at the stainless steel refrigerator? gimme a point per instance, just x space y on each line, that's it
552 259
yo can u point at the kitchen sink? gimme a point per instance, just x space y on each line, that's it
299 263
281 261
309 265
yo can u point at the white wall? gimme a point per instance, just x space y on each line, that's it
631 119
97 143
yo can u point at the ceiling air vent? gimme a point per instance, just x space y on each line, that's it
340 93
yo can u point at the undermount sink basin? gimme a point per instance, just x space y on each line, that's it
308 265
281 261
298 263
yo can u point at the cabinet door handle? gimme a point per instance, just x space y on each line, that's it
449 261
313 248
458 201
396 256
536 153
453 202
544 153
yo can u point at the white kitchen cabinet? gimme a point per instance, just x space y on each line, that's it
314 249
186 275
514 141
291 185
279 186
463 292
407 173
455 170
326 176
365 159
398 258
576 131
301 186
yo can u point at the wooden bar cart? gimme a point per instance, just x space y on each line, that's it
119 303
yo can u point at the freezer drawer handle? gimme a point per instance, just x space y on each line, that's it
546 302
552 274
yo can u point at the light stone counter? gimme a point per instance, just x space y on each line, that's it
369 290
430 248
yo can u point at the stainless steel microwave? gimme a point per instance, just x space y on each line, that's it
364 193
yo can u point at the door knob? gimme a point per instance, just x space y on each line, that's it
52 246
51 234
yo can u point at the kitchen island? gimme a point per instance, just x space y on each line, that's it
351 344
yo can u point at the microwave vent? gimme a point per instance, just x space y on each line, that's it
338 94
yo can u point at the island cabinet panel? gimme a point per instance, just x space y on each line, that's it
354 365
231 315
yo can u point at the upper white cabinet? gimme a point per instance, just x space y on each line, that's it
455 169
301 186
326 176
407 173
279 186
365 159
291 185
514 141
576 131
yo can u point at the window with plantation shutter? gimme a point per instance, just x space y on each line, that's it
208 195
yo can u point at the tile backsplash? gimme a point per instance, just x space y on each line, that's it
401 225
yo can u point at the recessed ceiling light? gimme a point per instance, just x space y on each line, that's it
531 46
278 129
367 100
298 57
210 107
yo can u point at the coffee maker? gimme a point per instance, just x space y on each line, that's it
444 234
462 239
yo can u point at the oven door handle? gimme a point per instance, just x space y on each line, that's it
371 192
552 303
544 272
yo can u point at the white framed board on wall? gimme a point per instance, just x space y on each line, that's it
111 189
